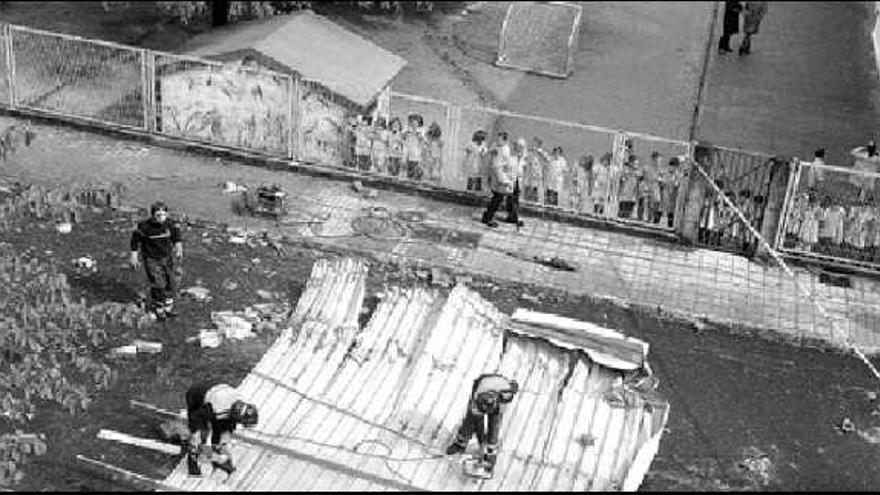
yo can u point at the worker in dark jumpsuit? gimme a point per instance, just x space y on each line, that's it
157 240
218 408
489 396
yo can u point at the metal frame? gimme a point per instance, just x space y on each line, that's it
794 183
502 45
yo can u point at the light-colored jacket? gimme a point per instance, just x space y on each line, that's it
500 173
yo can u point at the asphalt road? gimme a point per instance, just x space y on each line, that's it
811 81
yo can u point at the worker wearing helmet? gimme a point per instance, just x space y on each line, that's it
217 407
489 396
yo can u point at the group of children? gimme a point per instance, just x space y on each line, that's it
633 191
720 226
412 151
826 228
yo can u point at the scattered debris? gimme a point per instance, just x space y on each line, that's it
231 188
146 347
358 186
264 294
63 227
209 339
232 326
464 279
198 293
846 426
529 297
125 350
237 240
872 396
228 285
85 262
871 435
372 193
758 467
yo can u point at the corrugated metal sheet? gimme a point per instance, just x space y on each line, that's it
311 45
344 409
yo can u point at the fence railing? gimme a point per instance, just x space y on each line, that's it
592 171
833 214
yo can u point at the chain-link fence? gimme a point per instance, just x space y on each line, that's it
833 214
81 78
5 68
223 104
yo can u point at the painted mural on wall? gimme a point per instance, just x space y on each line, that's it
225 106
324 127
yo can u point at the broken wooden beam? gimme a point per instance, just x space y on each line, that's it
116 436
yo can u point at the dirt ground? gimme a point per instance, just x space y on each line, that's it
745 413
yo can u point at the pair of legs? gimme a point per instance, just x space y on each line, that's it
495 205
200 420
163 279
485 427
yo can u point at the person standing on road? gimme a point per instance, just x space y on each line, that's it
751 22
157 240
730 26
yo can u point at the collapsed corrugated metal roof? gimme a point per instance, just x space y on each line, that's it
343 408
311 45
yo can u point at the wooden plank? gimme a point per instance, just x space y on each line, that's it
116 436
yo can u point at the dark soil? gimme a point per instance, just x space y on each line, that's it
732 395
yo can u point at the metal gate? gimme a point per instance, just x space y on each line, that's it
744 177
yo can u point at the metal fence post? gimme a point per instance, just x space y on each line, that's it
9 56
147 68
296 119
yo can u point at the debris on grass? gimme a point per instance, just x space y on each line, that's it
228 285
846 426
147 347
871 435
237 239
264 294
64 227
85 262
758 467
124 350
198 293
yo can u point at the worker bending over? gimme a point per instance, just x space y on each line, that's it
217 407
489 396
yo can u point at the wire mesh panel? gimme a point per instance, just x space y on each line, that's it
325 127
227 105
540 37
418 141
81 78
4 66
647 183
834 213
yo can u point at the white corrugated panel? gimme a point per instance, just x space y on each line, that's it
349 409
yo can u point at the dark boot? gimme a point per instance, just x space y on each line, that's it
455 448
225 466
192 465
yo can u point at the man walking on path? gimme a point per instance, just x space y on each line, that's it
730 25
751 22
501 180
157 240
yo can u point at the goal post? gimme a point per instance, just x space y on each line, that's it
540 37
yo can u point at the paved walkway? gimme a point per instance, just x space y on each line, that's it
810 81
691 282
